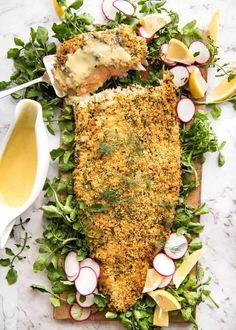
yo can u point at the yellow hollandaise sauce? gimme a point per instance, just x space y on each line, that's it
18 163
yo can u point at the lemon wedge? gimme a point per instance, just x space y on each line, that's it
165 300
197 84
214 26
179 52
154 22
160 318
59 10
186 266
153 280
224 90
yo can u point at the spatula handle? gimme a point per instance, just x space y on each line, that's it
18 88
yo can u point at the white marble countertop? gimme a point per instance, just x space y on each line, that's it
20 307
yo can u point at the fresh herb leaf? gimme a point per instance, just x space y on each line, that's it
5 262
19 42
77 4
221 159
195 244
11 276
9 252
216 111
4 84
71 298
100 300
191 32
13 53
55 301
111 315
56 153
40 264
42 35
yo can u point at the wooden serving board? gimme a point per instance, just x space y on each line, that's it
194 199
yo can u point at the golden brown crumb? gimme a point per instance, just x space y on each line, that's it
128 160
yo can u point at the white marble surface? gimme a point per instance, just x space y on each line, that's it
20 307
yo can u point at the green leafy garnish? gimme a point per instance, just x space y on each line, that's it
191 32
216 111
11 276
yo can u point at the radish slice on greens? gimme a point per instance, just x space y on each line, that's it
143 33
163 265
199 51
109 10
88 262
72 265
124 7
163 53
111 7
78 313
176 246
85 301
180 75
165 281
72 278
86 282
185 109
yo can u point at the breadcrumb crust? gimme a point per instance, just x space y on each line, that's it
128 160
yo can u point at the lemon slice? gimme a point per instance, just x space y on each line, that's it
224 90
214 26
153 280
160 318
59 10
165 300
186 266
154 22
179 52
197 84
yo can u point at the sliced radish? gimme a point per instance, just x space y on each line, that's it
72 265
190 68
163 53
176 246
202 52
86 282
185 109
142 32
163 264
165 282
88 262
109 10
111 7
124 7
180 75
72 278
78 313
85 301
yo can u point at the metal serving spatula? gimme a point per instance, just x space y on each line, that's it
47 77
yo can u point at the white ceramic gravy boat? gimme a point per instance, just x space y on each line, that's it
8 214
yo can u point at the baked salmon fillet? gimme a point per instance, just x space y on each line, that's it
128 177
86 61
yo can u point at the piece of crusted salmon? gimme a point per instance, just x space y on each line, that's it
128 176
86 61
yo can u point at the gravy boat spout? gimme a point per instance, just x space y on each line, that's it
25 110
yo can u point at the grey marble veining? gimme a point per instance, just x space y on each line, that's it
20 307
